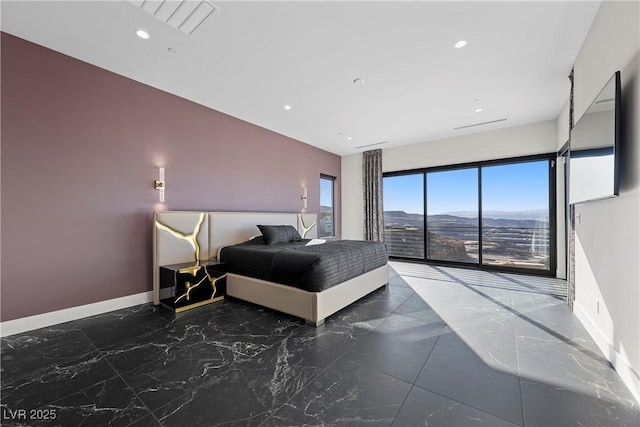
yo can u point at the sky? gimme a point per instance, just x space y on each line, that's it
326 192
513 187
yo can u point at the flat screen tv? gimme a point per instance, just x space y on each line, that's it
593 154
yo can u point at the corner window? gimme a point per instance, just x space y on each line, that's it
326 215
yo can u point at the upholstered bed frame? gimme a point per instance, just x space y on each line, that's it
183 236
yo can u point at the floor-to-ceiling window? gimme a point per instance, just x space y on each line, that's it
403 200
495 214
515 215
452 215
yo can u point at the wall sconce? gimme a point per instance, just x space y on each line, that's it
160 185
304 197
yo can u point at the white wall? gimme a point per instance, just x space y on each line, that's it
537 138
562 126
608 232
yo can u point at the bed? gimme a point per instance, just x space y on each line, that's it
328 280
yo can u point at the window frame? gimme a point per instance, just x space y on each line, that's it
550 157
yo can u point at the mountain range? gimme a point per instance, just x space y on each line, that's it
535 214
450 220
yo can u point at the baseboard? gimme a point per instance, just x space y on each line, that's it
30 323
620 362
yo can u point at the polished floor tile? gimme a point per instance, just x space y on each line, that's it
558 406
424 408
455 371
165 379
25 353
107 329
401 356
52 382
226 399
348 394
437 346
108 403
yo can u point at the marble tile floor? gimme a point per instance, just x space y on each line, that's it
437 347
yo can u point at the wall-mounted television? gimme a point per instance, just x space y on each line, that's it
594 171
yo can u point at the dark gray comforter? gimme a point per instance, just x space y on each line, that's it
311 268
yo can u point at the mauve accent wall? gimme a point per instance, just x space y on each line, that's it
81 147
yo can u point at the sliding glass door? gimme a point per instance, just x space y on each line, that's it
452 215
403 200
515 215
494 214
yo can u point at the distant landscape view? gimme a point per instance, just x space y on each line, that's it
325 222
514 239
512 199
326 214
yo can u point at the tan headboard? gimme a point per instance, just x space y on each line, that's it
178 235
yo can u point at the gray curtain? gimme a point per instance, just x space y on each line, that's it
372 185
571 280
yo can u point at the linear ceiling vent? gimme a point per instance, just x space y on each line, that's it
184 15
371 145
479 124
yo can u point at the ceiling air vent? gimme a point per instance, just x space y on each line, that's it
479 124
371 145
184 15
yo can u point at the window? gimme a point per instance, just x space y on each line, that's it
495 214
403 201
326 216
515 215
452 215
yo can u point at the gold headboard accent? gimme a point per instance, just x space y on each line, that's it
191 238
303 228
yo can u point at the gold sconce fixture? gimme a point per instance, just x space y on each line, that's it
304 197
160 185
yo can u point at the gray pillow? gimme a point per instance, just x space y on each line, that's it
274 234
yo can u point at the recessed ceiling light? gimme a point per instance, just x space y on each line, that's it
142 34
478 110
287 107
171 50
459 44
475 101
358 81
349 138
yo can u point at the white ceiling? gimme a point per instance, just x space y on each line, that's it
249 59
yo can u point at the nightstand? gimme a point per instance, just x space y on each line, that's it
189 285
